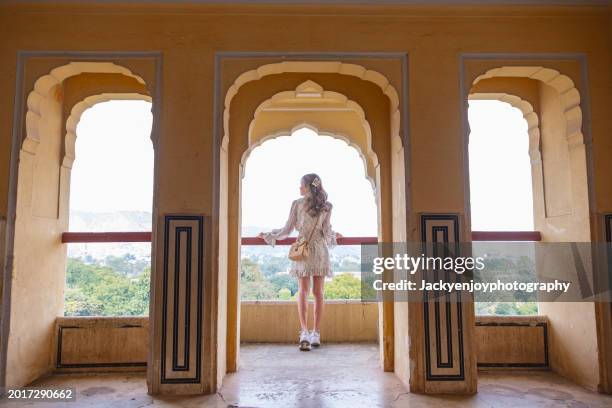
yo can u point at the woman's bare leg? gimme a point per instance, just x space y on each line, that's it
317 291
302 301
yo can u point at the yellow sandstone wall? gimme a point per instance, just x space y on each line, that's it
37 295
432 36
121 343
561 215
189 35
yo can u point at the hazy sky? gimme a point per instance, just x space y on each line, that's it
113 169
114 163
500 169
272 180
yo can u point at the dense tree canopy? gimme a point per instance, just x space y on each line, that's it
119 286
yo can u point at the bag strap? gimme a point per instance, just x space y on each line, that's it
315 227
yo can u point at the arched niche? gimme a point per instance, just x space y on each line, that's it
380 102
561 203
535 151
325 112
41 207
552 105
333 67
48 88
320 131
75 117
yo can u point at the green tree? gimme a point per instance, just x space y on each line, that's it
504 308
93 290
274 264
76 303
249 271
283 281
284 294
261 290
527 308
252 284
348 265
127 264
139 294
343 286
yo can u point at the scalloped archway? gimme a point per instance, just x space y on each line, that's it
565 211
568 93
41 175
569 141
333 67
533 131
320 132
75 117
230 158
44 86
308 98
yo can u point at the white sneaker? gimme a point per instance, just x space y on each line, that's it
304 340
315 338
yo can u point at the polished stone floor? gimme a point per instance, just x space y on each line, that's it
337 375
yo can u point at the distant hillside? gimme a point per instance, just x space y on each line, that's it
252 231
250 251
141 221
105 222
110 221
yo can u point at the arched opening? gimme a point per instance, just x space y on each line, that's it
268 313
248 122
501 195
39 256
111 190
269 184
500 169
551 106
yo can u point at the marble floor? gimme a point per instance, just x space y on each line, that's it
335 375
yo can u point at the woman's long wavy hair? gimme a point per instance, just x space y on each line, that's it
316 200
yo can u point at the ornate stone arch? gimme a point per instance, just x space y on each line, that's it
530 116
300 99
47 84
75 117
533 131
225 202
574 225
36 224
318 131
568 93
575 215
315 67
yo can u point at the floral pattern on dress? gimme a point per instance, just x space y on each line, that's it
323 237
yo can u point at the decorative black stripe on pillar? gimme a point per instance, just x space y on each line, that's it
444 353
608 232
183 281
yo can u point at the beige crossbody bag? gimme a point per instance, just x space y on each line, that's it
299 250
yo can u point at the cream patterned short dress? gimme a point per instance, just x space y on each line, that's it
318 262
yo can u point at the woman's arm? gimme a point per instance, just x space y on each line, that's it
281 233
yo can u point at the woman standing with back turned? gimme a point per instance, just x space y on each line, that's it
310 216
